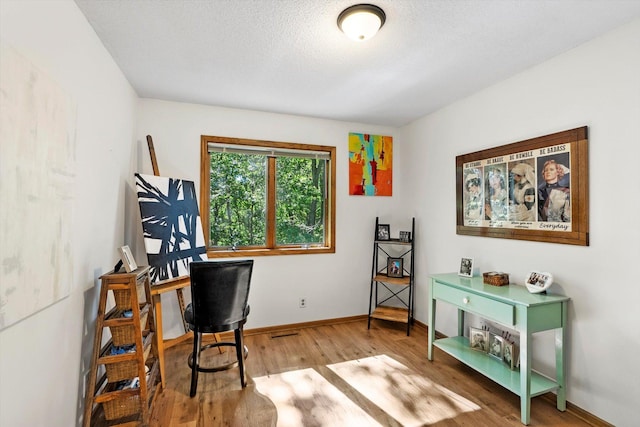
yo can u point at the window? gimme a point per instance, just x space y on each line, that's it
266 198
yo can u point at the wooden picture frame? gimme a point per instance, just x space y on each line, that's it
127 259
502 192
383 232
395 267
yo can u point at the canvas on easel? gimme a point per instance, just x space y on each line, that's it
171 225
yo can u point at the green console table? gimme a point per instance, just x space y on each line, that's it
516 308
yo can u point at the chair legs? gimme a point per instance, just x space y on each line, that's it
194 358
239 354
197 340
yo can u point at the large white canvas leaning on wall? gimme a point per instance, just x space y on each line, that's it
171 225
37 176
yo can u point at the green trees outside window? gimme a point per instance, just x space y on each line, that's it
265 198
238 200
300 190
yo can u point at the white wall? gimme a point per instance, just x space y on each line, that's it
44 358
335 285
598 85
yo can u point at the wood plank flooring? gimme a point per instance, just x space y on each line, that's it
222 402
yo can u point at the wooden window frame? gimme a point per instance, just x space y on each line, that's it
270 244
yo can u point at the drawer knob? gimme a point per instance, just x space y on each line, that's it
465 300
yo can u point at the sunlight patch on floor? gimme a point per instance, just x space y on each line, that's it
304 397
408 397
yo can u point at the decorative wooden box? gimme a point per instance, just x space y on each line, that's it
495 278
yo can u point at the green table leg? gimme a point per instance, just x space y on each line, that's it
432 322
460 322
525 372
561 336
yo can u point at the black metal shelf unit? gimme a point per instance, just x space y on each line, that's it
392 283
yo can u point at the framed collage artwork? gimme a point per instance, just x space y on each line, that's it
537 189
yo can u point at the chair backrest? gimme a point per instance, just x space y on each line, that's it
219 293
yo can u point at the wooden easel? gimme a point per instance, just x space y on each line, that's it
156 172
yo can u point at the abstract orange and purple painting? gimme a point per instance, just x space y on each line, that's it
370 165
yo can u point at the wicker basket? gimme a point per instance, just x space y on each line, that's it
123 407
140 290
123 296
123 335
495 278
123 299
126 369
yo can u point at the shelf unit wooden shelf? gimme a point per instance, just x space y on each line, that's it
499 372
391 298
394 314
125 375
402 281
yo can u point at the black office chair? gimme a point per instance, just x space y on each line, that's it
219 294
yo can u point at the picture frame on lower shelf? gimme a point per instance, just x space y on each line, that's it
510 355
395 267
127 259
479 339
496 346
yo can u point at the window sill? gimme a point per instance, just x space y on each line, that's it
211 253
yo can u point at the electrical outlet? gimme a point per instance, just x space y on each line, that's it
303 303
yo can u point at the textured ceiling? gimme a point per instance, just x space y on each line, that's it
288 56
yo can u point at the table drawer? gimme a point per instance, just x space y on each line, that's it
474 303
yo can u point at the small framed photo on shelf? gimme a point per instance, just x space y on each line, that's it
466 267
405 236
538 282
496 343
383 232
510 354
127 259
479 339
395 267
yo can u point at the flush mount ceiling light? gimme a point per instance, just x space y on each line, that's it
361 21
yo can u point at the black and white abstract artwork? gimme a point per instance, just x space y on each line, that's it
171 225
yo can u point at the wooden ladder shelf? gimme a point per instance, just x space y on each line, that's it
116 397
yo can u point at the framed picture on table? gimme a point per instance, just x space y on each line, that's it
466 267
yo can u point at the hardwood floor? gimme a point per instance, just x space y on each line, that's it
221 400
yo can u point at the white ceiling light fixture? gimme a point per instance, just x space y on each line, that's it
361 21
